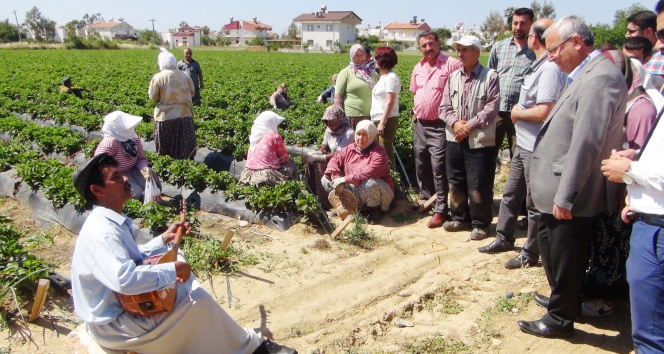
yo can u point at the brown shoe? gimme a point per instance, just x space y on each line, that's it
436 221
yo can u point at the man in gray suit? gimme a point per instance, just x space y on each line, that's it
568 187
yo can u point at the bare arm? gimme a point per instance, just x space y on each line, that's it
533 114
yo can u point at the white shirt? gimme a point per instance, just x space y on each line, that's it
104 262
646 194
387 83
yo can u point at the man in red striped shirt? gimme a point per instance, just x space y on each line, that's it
427 84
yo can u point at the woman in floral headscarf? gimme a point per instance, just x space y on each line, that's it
172 90
267 159
354 85
363 168
121 142
338 135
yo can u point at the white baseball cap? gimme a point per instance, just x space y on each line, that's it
468 41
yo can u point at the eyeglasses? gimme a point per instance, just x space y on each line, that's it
632 31
660 34
553 49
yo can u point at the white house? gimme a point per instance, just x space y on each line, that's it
241 32
459 31
111 30
406 33
372 31
322 29
186 36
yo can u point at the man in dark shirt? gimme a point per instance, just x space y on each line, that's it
68 88
191 67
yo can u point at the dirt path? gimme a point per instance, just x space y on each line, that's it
345 299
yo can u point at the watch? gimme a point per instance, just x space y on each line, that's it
627 178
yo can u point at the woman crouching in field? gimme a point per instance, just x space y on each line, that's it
121 142
267 160
363 168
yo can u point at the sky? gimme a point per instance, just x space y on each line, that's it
279 14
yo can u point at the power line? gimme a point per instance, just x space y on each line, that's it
154 34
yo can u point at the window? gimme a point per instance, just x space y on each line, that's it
328 28
310 42
328 43
310 27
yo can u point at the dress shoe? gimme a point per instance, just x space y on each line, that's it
541 300
520 261
436 221
496 246
455 225
270 347
479 233
540 329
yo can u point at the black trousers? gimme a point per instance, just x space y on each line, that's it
470 174
505 128
564 247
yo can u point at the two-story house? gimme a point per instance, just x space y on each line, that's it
321 30
405 33
118 29
241 31
186 36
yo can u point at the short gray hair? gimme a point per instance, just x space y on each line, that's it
571 25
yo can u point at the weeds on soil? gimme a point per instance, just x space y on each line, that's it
206 257
358 234
435 345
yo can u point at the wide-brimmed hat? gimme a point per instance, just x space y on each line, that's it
344 202
82 175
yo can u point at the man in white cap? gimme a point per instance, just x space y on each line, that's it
469 107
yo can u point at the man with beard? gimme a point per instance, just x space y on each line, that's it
511 58
427 84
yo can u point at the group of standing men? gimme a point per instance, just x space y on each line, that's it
561 104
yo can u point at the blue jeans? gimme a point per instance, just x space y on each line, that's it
645 274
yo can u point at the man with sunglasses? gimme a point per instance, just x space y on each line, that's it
644 24
567 185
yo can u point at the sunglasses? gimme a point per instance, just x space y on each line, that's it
632 31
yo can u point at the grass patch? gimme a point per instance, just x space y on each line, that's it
206 257
402 218
505 305
443 303
436 345
358 234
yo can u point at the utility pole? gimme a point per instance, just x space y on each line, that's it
18 28
154 34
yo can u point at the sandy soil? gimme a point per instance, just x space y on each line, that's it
347 299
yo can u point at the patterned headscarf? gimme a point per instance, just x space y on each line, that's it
266 122
166 60
362 71
336 115
368 127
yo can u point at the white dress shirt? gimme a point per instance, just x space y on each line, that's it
646 194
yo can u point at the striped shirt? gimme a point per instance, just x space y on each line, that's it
427 88
126 162
511 62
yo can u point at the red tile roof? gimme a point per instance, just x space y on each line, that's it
396 25
248 25
326 17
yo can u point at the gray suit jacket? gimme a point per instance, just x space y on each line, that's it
580 131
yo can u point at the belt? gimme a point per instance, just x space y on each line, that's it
429 121
651 219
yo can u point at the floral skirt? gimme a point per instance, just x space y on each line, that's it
370 193
176 138
269 176
606 277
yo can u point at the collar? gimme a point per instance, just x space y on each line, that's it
536 64
476 70
111 215
583 63
440 59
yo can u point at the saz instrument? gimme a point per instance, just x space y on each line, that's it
156 301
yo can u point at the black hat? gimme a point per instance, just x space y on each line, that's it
82 175
66 80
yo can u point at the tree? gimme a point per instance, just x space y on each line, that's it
615 35
292 30
91 19
206 40
544 10
43 28
8 32
205 30
182 24
509 13
443 34
492 27
147 36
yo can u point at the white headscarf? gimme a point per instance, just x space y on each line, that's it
368 127
166 60
266 122
649 86
120 125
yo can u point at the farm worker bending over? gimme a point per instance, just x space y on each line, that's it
363 168
267 160
121 142
173 90
107 260
280 99
68 88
